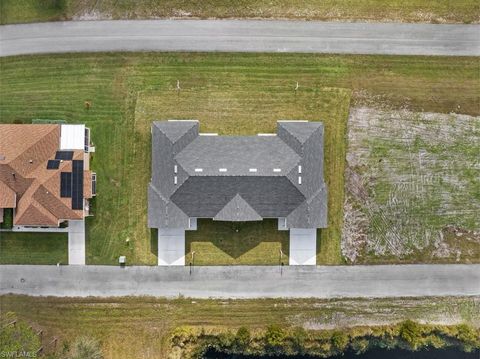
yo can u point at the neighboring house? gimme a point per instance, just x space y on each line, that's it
237 178
45 173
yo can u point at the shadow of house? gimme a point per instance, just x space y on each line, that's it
154 241
235 239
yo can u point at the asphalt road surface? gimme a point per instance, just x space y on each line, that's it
240 36
243 281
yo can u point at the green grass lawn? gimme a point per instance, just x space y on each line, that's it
33 248
141 327
228 93
231 243
460 11
244 108
21 11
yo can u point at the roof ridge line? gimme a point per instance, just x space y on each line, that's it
33 204
157 125
178 185
310 199
11 170
158 193
249 206
34 143
59 201
168 201
301 143
31 190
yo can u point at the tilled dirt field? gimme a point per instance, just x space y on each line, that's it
413 187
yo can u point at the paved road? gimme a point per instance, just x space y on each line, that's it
243 281
241 36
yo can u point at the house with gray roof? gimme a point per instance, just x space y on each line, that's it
237 178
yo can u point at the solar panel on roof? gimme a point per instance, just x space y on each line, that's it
65 184
94 183
53 164
64 155
77 184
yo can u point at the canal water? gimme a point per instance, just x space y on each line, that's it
372 354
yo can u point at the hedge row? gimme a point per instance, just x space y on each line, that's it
191 342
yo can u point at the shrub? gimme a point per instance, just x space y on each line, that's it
279 342
242 338
7 218
18 337
468 337
360 345
86 348
182 335
274 338
54 4
411 333
340 340
226 339
299 338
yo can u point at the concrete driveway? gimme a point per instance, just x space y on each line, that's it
303 246
243 281
76 242
171 247
240 36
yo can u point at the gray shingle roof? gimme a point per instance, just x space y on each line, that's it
205 196
237 178
300 130
237 210
237 154
174 130
163 213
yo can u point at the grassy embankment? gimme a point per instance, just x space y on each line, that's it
228 93
432 11
141 327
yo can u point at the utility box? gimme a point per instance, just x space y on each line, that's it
122 260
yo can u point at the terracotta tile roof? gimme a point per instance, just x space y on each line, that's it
24 153
36 215
54 204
